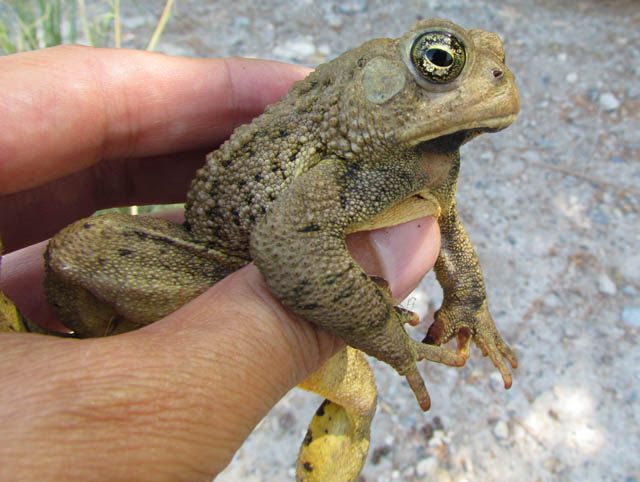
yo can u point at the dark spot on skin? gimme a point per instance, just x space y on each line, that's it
308 438
275 168
258 177
351 173
141 235
272 196
213 212
87 225
308 467
476 297
282 132
326 431
320 411
252 218
343 295
236 217
362 61
309 228
187 226
310 306
293 156
300 290
263 209
124 252
336 276
100 261
241 184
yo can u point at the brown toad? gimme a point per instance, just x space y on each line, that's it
368 140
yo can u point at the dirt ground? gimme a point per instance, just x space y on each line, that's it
552 206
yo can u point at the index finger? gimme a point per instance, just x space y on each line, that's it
65 108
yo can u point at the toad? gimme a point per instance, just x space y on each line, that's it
368 140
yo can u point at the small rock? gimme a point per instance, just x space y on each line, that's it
501 430
352 6
631 315
295 49
334 21
608 101
287 421
593 94
426 466
531 156
606 285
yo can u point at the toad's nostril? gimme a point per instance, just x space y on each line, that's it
497 73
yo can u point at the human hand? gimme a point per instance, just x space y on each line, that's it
84 129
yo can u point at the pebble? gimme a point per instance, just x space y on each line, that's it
531 156
295 49
608 101
631 315
426 466
571 77
352 6
606 285
501 430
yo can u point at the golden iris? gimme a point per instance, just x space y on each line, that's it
438 56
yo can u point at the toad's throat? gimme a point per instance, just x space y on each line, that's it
417 206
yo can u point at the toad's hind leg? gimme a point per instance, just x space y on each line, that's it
337 442
115 273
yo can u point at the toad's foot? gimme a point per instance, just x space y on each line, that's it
465 325
431 353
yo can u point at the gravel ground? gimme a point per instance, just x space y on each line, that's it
552 207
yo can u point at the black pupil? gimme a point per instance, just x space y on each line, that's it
439 57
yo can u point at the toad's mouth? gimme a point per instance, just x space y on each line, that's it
414 137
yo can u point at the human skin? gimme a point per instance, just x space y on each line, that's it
83 129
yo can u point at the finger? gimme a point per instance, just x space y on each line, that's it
37 214
65 108
401 255
132 111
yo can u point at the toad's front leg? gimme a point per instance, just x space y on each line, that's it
300 249
464 313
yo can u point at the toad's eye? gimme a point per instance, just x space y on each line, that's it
439 57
